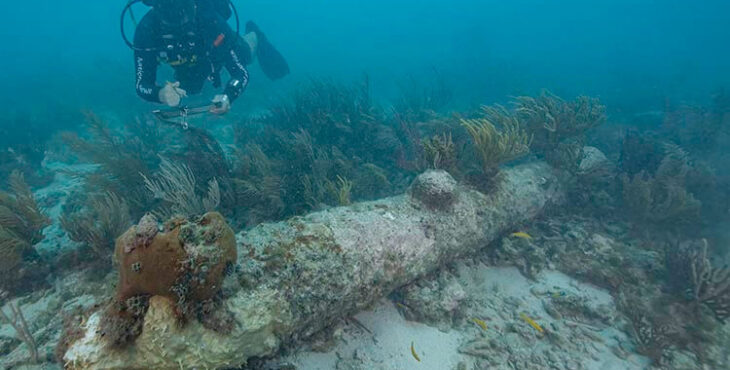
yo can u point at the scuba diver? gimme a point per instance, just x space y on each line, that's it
194 38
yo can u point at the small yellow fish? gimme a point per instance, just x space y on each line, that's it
480 323
531 322
413 352
558 294
521 235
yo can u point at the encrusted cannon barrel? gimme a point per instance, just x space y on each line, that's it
296 277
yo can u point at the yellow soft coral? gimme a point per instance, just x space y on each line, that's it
494 146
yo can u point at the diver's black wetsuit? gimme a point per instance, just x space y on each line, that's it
197 53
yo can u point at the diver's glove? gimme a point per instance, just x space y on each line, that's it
221 104
171 94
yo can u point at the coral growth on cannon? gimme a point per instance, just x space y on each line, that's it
185 263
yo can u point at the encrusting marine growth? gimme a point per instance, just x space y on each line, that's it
186 264
298 277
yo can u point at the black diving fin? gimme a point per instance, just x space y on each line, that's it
271 61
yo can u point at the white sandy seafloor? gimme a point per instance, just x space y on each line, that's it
508 343
52 199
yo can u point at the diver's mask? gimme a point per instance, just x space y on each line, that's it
178 14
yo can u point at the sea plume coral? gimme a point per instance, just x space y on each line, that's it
121 158
99 223
19 211
21 226
342 190
439 152
496 146
662 200
17 320
551 119
702 282
258 188
327 145
332 113
422 101
710 285
175 185
127 158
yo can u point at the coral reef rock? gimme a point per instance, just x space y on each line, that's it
594 160
298 277
435 189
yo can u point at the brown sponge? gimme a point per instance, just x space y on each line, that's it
151 269
185 263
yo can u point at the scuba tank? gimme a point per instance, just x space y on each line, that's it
223 8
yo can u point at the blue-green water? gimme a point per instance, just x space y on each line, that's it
632 52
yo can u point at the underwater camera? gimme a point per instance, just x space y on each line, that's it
224 8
